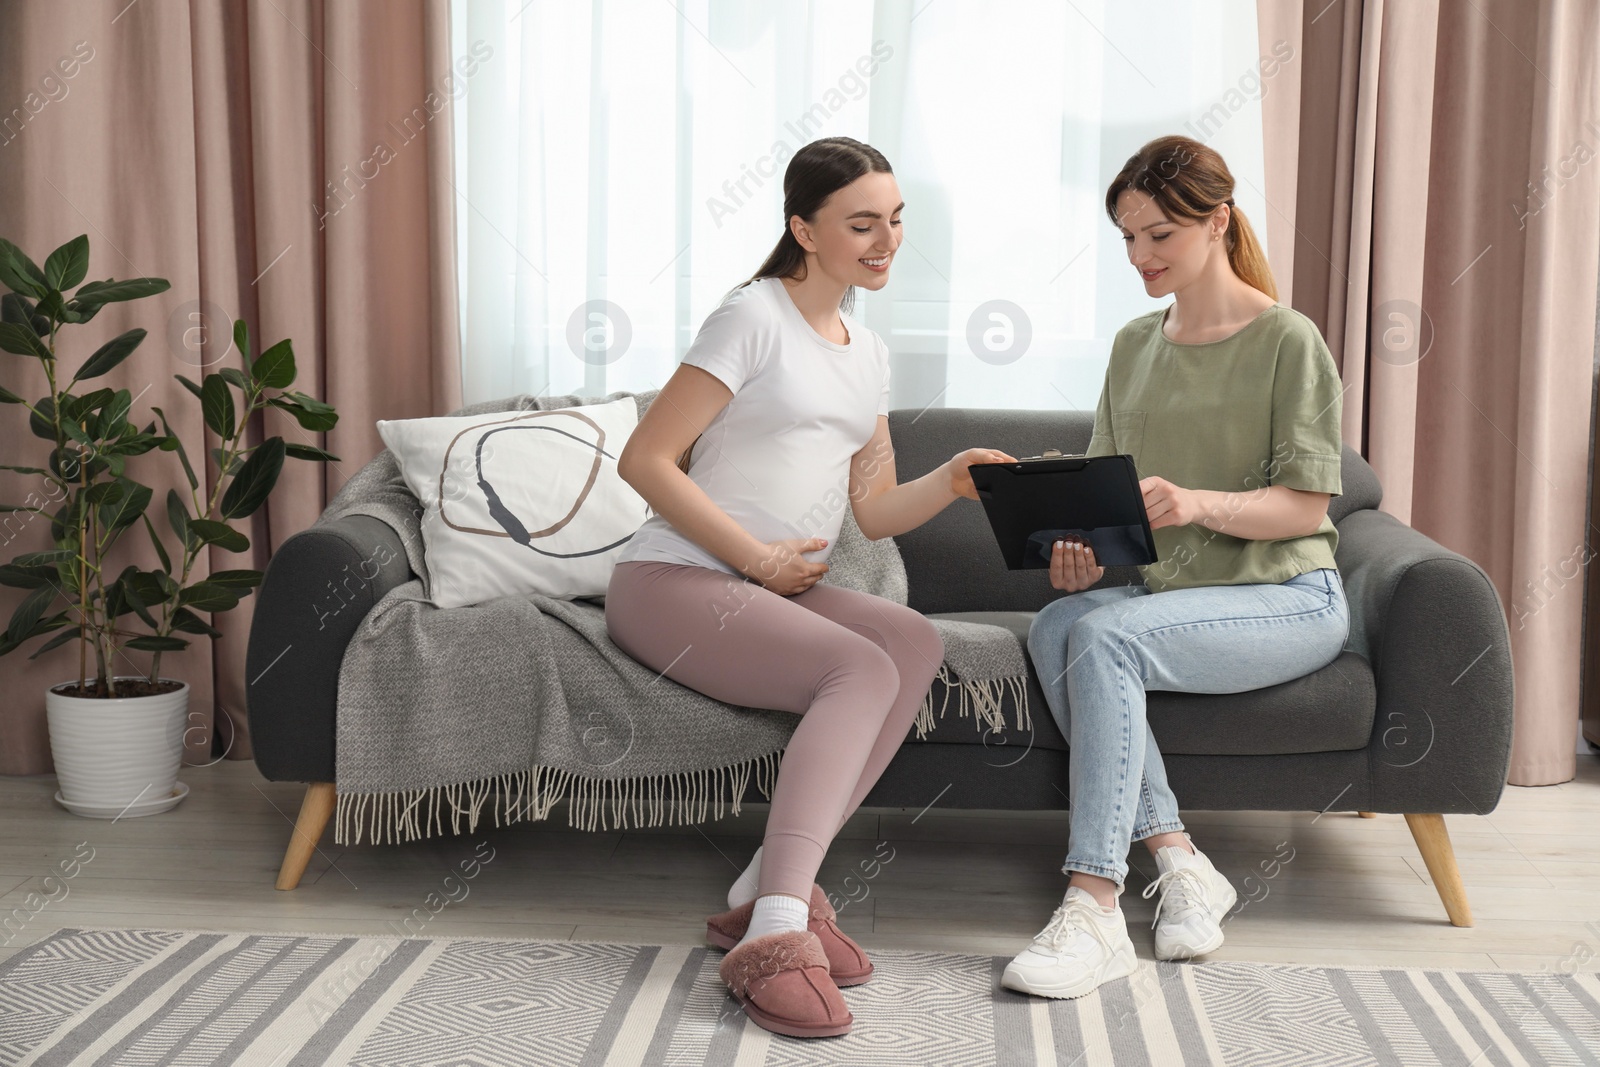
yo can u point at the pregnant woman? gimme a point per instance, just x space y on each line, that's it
781 404
1229 403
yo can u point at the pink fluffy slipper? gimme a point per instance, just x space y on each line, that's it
782 982
848 965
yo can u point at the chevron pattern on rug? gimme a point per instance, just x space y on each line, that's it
117 997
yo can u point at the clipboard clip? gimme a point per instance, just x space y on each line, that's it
1053 453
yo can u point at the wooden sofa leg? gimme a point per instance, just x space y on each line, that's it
1367 814
1433 841
315 811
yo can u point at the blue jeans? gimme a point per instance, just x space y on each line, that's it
1099 650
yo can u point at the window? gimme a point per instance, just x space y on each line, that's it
620 165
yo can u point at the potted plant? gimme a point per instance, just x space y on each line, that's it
117 735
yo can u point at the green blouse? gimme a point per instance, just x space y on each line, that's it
1261 407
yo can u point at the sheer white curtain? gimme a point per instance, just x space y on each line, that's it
619 168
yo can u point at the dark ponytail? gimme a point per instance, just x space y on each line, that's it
816 172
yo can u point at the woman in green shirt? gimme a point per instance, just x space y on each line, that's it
1229 404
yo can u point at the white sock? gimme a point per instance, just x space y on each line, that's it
777 914
744 887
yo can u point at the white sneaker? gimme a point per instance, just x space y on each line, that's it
1078 950
1194 898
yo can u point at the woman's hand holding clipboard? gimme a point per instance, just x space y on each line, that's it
1072 565
960 464
1167 504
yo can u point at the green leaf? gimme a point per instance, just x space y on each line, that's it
75 430
15 337
309 418
26 577
149 586
110 354
310 403
76 406
178 516
68 264
19 273
161 550
177 446
235 377
8 397
63 524
190 623
208 596
106 492
126 511
39 418
216 402
29 612
96 294
275 368
251 486
241 340
17 309
153 643
129 581
116 599
239 581
193 388
220 534
22 470
309 452
55 642
114 413
51 307
67 573
84 409
49 555
66 465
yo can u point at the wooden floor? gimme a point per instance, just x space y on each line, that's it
1354 892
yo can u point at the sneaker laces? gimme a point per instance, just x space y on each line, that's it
1074 914
1183 893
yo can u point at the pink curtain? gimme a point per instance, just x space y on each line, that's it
286 162
1435 183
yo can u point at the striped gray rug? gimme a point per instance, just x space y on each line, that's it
119 997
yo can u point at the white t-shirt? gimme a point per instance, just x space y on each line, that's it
777 457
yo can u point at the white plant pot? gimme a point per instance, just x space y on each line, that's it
118 758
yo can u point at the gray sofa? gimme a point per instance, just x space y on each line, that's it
1413 717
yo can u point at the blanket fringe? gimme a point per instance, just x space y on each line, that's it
986 697
596 804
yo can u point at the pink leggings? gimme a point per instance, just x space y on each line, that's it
855 666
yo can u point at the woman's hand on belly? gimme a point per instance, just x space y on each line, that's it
784 570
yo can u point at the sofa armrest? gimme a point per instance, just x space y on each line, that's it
317 588
1431 623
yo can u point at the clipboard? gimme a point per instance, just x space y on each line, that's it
1038 500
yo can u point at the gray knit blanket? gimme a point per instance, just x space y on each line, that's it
507 707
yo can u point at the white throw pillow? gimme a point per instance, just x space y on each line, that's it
550 514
